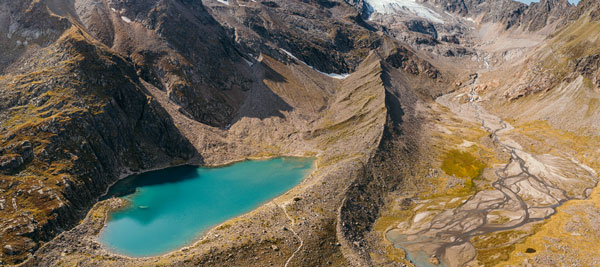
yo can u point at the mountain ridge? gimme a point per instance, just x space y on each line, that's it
91 91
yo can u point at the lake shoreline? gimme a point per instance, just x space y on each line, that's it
304 173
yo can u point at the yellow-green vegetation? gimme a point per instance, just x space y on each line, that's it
495 247
223 226
593 105
341 131
572 233
579 39
392 254
462 164
385 222
501 219
50 96
390 218
462 151
545 139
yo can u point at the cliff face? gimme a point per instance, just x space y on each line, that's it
74 117
328 35
453 28
510 13
585 6
203 73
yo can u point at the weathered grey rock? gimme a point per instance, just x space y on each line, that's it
9 250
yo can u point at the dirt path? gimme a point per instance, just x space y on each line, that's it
292 222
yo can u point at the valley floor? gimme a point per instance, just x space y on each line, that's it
509 199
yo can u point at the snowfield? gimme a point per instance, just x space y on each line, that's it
126 19
339 76
403 6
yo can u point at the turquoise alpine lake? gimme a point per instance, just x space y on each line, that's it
173 207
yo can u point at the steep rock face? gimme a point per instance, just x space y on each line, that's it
25 23
328 35
74 116
511 14
454 6
546 12
589 67
203 73
587 6
446 27
406 60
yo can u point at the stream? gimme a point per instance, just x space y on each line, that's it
527 189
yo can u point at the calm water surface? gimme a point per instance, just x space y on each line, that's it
171 208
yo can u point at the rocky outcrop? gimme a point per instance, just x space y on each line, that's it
328 35
406 59
395 158
24 23
512 14
589 67
587 6
74 117
546 12
203 73
15 156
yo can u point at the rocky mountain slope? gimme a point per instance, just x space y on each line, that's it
390 96
74 116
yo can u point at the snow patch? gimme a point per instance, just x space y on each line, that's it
126 19
403 6
291 55
339 76
248 62
224 2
